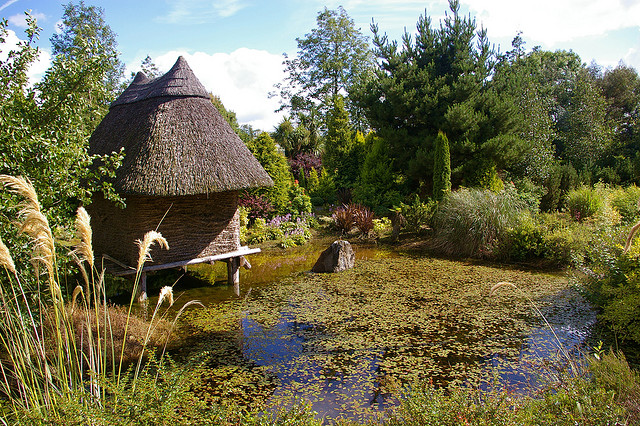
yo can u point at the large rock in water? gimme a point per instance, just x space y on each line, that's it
337 257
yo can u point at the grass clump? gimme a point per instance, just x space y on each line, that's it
604 391
472 222
584 202
57 353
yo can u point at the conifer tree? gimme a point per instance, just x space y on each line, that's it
264 149
441 167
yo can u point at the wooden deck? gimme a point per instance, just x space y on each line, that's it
234 260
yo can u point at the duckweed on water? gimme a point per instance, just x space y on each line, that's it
349 342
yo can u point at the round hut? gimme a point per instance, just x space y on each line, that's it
182 171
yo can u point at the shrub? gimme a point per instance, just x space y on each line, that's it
417 214
300 201
625 201
473 222
343 218
257 206
584 203
377 184
363 219
441 168
326 188
304 162
560 181
263 147
525 241
381 225
288 230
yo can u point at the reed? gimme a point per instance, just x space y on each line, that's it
564 352
55 352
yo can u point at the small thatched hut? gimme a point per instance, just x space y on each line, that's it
181 174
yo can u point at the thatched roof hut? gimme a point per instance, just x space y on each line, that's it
181 174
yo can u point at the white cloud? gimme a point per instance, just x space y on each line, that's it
200 11
7 4
552 21
20 20
37 69
242 79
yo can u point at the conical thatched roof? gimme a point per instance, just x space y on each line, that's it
175 140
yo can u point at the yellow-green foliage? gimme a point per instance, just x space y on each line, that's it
264 149
584 202
625 201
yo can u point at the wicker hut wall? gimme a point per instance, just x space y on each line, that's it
195 226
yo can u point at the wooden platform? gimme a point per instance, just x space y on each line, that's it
234 260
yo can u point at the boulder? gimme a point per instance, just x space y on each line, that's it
337 257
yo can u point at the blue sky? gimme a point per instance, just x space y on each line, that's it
235 47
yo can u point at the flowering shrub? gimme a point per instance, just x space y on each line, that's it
287 230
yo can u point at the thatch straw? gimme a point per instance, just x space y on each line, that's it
196 225
175 140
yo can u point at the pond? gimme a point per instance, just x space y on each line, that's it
348 343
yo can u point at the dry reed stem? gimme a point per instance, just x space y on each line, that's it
495 287
145 246
5 258
633 231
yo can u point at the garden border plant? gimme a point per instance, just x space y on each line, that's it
48 364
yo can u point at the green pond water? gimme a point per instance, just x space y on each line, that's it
348 343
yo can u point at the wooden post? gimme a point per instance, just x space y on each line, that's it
233 274
142 287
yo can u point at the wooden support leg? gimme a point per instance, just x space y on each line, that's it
233 274
142 287
244 263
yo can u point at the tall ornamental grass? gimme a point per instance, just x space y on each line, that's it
56 352
472 222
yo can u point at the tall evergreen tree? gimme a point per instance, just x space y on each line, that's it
343 147
440 81
441 167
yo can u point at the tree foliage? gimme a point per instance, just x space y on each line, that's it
331 59
46 127
441 168
343 150
377 185
437 82
275 164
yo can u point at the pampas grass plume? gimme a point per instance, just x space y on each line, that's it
166 293
84 247
35 224
5 258
145 246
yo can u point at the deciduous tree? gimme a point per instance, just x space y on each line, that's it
331 59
